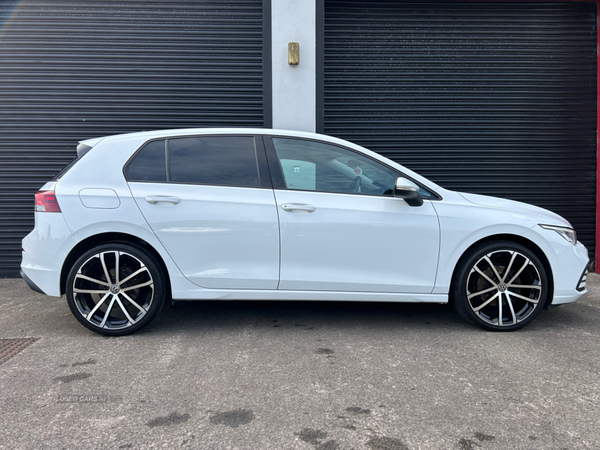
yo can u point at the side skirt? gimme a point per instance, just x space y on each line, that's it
213 294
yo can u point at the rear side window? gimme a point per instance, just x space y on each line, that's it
65 170
149 164
82 150
214 160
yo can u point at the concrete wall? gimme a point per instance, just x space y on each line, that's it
294 87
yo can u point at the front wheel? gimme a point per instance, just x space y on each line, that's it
115 289
500 286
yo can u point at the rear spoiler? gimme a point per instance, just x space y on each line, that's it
82 149
86 146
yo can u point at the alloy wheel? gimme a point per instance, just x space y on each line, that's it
113 290
504 288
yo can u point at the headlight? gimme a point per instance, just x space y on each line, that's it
566 232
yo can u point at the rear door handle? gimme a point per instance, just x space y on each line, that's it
158 199
298 207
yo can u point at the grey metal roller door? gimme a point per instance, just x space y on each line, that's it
71 70
497 98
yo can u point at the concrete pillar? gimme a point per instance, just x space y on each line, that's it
294 87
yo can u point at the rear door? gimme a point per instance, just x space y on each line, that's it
210 201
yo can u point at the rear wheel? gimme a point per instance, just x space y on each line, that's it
115 289
500 285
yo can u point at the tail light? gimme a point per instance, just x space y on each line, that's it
45 201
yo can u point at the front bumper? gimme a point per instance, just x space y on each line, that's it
581 284
567 262
570 274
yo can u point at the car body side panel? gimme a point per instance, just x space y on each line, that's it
220 237
101 169
463 224
458 234
142 231
357 243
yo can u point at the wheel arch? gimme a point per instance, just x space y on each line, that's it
105 238
530 245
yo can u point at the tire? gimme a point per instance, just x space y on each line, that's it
500 286
115 307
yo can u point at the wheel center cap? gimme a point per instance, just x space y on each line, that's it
115 289
502 287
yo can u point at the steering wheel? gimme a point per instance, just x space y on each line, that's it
354 187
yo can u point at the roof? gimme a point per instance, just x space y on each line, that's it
196 131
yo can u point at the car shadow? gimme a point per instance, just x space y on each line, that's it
202 316
306 315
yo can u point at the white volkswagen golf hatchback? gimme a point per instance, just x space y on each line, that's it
141 219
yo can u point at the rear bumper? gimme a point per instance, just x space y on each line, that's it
44 252
31 284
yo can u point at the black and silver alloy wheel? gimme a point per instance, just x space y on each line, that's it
500 286
115 289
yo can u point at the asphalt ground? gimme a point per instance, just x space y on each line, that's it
300 375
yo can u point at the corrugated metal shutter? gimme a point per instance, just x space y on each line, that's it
497 98
71 70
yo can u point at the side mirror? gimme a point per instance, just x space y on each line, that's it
409 191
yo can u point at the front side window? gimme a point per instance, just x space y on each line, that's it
316 166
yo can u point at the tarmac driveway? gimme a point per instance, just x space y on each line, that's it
267 375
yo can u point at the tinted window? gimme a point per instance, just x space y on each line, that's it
216 160
316 166
149 163
65 170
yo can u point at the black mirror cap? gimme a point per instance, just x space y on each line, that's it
414 201
411 197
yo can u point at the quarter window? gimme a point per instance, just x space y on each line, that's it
149 163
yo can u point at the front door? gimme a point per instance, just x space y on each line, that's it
341 227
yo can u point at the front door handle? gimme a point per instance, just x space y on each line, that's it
299 207
158 199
